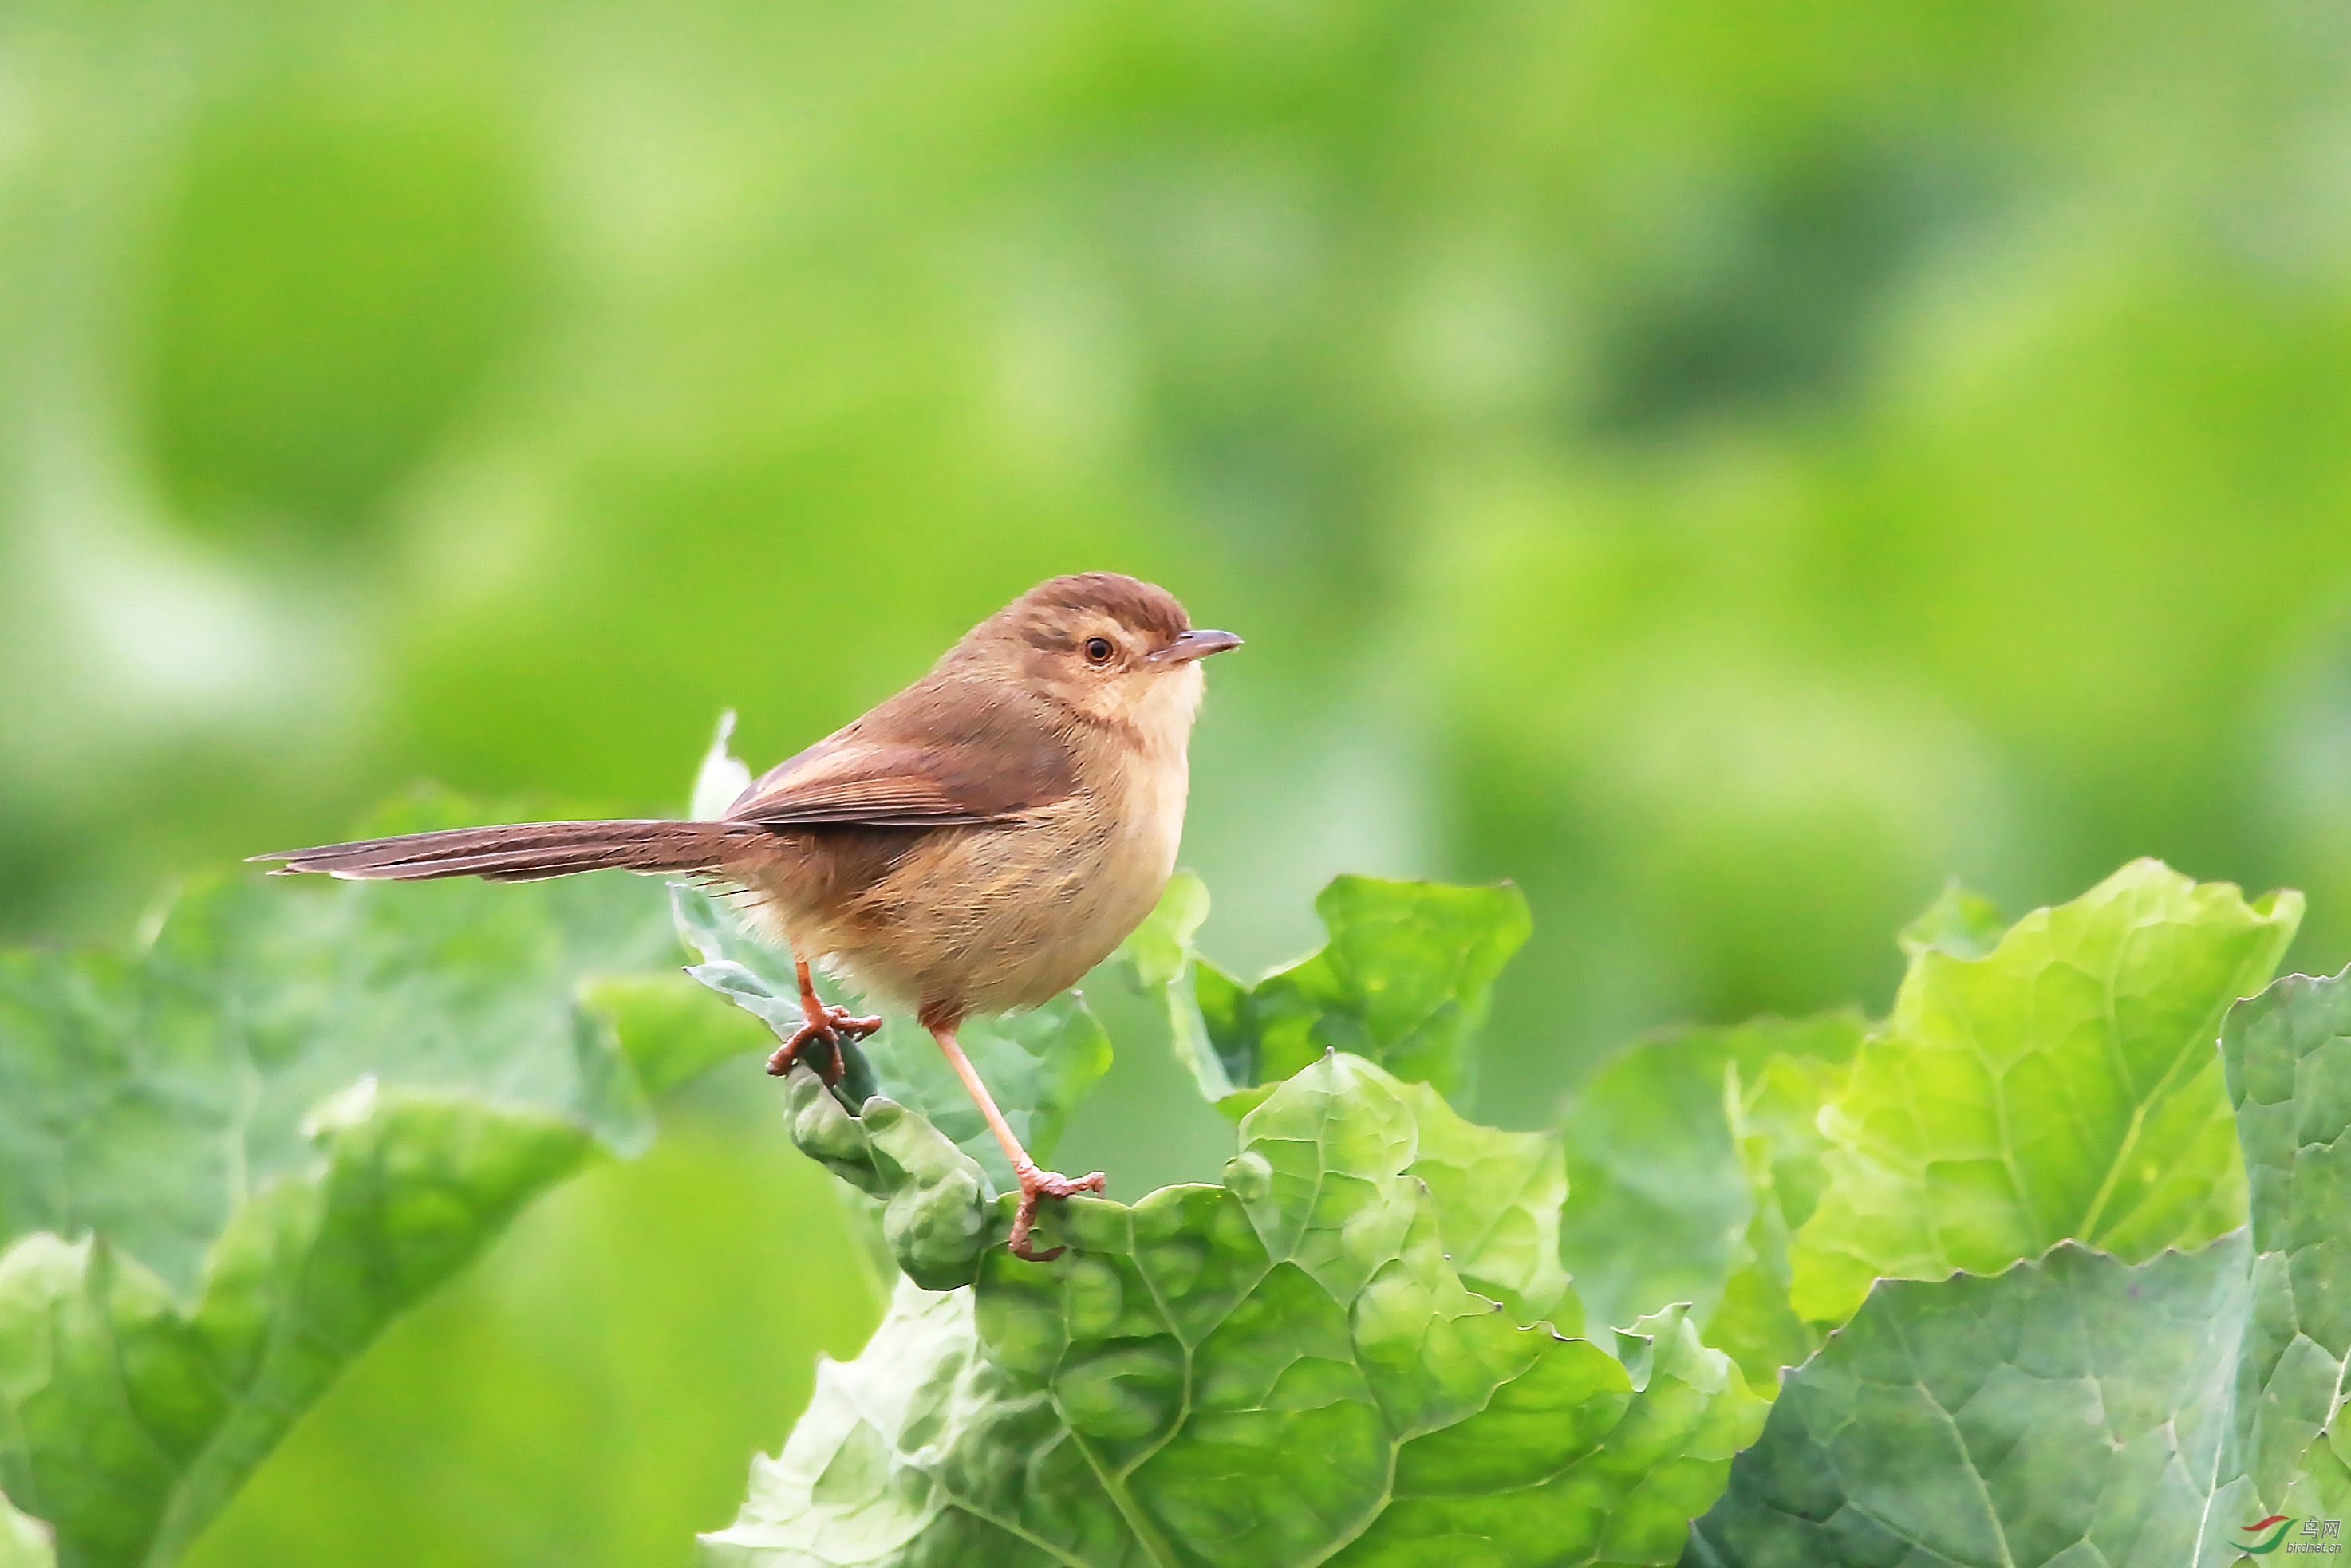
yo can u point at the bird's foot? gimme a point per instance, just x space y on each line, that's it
828 1024
1035 1185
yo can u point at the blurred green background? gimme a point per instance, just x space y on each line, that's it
1729 468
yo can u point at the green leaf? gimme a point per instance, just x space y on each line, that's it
1039 1065
2148 1413
1668 1148
1498 1197
228 1158
134 1418
2288 1053
2063 1085
2069 1410
1404 979
1285 1368
1550 1472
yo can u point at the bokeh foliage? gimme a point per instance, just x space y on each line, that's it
1726 468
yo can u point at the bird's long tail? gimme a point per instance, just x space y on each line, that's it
528 851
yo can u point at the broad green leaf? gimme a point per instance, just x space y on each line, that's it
1497 1198
1532 1479
24 1543
2063 1085
2289 1072
1274 1371
1667 1149
1404 979
1037 1065
2150 1413
229 1157
133 1417
2068 1411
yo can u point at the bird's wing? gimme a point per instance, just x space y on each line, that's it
933 757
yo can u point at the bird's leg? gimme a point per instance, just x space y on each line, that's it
820 1020
1034 1183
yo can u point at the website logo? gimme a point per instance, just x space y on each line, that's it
2267 1535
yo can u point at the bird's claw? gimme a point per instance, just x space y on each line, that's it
828 1024
1035 1185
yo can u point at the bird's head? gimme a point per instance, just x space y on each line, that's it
1111 649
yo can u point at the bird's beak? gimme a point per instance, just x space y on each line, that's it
1194 645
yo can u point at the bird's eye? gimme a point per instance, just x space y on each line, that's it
1098 650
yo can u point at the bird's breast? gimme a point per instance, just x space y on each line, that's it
1000 916
1151 818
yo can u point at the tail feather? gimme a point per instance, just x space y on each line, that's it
527 852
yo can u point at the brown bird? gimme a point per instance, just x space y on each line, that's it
972 845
